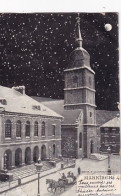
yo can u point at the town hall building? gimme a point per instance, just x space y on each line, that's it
28 129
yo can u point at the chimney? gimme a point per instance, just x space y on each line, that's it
117 115
20 89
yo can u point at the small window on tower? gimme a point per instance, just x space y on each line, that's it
90 114
90 80
75 81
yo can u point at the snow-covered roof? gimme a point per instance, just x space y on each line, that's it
115 122
21 103
102 116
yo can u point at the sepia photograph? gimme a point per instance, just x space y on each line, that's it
59 104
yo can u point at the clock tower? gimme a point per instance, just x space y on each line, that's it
79 91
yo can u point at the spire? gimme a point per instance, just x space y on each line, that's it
78 33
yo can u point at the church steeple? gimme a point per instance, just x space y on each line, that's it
79 93
78 33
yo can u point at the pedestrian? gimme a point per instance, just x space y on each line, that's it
79 171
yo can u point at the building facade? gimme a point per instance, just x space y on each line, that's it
28 130
110 136
72 134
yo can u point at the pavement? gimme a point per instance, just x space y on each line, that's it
87 166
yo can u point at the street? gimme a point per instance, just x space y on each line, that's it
87 167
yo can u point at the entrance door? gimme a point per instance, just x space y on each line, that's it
8 161
43 152
36 154
92 147
18 157
28 156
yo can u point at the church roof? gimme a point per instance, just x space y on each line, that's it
70 116
21 103
102 116
84 52
115 122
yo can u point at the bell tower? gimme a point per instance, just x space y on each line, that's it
79 91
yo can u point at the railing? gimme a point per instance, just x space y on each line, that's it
67 162
5 186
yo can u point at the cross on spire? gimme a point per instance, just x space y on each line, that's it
78 20
78 32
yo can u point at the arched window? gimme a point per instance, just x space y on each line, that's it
80 140
43 129
8 128
27 129
53 129
36 128
18 128
75 81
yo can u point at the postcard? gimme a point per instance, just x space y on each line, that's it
59 104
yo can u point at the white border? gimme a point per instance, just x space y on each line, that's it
18 6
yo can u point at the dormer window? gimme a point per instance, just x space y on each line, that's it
36 107
3 101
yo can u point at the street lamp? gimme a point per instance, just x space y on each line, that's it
5 165
38 168
109 152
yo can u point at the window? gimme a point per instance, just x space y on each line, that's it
90 114
18 128
27 129
36 128
106 130
43 129
80 140
3 101
8 128
53 129
90 80
36 107
75 81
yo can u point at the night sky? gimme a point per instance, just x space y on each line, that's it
34 51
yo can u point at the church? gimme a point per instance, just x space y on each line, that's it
78 129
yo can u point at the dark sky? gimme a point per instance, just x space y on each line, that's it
34 51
